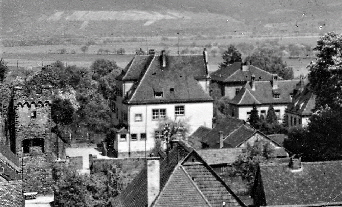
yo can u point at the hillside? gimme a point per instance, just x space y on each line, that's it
134 18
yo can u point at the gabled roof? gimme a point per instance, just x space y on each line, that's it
234 73
186 180
278 138
263 93
200 132
220 156
303 103
177 81
315 183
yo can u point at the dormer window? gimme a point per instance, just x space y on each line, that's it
158 94
276 96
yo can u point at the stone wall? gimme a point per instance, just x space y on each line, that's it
11 194
38 174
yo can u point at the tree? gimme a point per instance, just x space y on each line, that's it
326 73
230 56
254 119
102 67
3 70
84 48
265 59
62 111
247 164
271 117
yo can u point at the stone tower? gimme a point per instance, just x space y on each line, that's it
31 121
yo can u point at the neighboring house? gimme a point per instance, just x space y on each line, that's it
195 139
263 94
298 184
232 78
235 133
300 109
182 178
155 87
278 138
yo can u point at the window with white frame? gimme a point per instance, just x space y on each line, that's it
137 117
179 111
134 137
143 136
158 114
123 137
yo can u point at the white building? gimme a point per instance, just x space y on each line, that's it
278 93
153 88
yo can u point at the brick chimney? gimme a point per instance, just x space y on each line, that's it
274 81
153 179
206 58
221 139
253 82
295 163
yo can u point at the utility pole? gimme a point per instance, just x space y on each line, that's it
178 42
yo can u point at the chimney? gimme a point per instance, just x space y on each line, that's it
274 81
295 163
153 179
205 56
163 58
221 139
253 82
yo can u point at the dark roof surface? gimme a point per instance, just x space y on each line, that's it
278 138
177 81
186 180
314 183
234 73
220 156
263 93
200 132
303 103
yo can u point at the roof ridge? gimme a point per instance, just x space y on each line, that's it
129 66
232 73
255 67
141 79
247 90
194 184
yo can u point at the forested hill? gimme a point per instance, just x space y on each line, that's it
166 17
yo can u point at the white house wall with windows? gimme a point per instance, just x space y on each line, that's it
278 93
156 87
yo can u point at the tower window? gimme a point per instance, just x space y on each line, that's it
33 114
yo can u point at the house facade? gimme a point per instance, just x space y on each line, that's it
263 94
153 88
301 108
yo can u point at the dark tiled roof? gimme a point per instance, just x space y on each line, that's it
186 180
220 156
200 132
135 67
234 73
314 183
227 125
177 81
263 93
303 103
278 138
239 136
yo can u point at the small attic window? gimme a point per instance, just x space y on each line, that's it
276 95
172 89
158 94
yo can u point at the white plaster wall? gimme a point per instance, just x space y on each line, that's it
196 114
242 111
205 85
127 85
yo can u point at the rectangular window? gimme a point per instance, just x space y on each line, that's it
158 114
142 136
158 134
33 114
276 95
295 121
248 114
138 117
123 137
179 111
134 137
277 112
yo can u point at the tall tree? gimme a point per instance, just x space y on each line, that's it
254 119
62 111
271 117
3 70
265 59
326 73
230 56
102 67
